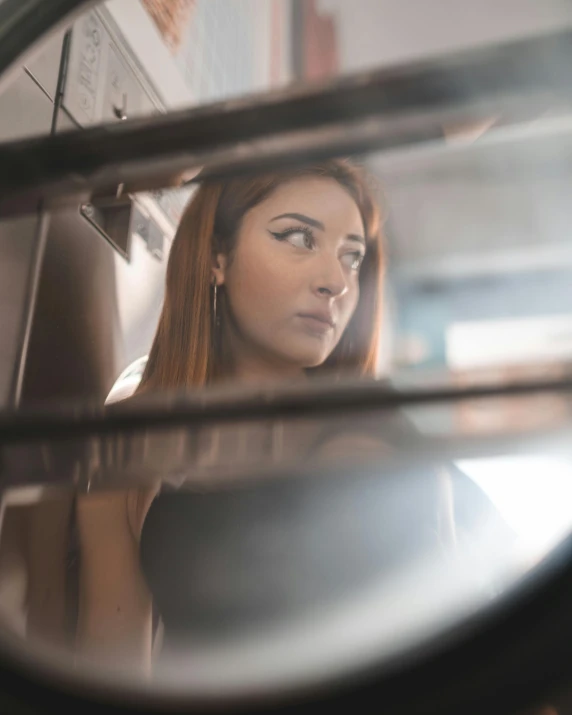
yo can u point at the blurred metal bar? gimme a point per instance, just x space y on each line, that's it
374 110
299 400
128 457
33 283
23 24
37 261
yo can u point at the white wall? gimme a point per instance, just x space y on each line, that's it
374 32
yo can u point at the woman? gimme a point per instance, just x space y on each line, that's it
271 277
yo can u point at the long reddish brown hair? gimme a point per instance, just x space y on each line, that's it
184 351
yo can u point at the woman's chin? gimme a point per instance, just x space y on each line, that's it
308 358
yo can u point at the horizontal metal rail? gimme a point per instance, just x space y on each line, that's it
186 410
374 110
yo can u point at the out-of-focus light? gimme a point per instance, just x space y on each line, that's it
127 382
521 341
532 493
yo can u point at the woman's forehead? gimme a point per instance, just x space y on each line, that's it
320 198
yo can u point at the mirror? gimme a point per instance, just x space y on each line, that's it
248 420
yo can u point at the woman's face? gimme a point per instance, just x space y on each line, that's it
292 281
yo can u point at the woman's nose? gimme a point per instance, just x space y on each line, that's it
331 281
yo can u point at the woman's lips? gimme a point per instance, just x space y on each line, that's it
316 323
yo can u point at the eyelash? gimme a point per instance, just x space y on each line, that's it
283 236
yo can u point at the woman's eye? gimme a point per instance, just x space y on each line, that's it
353 260
297 237
300 239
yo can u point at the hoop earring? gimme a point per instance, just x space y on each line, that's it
216 316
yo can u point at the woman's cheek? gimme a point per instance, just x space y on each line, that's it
349 306
268 279
254 290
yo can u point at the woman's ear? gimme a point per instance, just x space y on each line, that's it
219 263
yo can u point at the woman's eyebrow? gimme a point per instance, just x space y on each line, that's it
300 217
317 224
